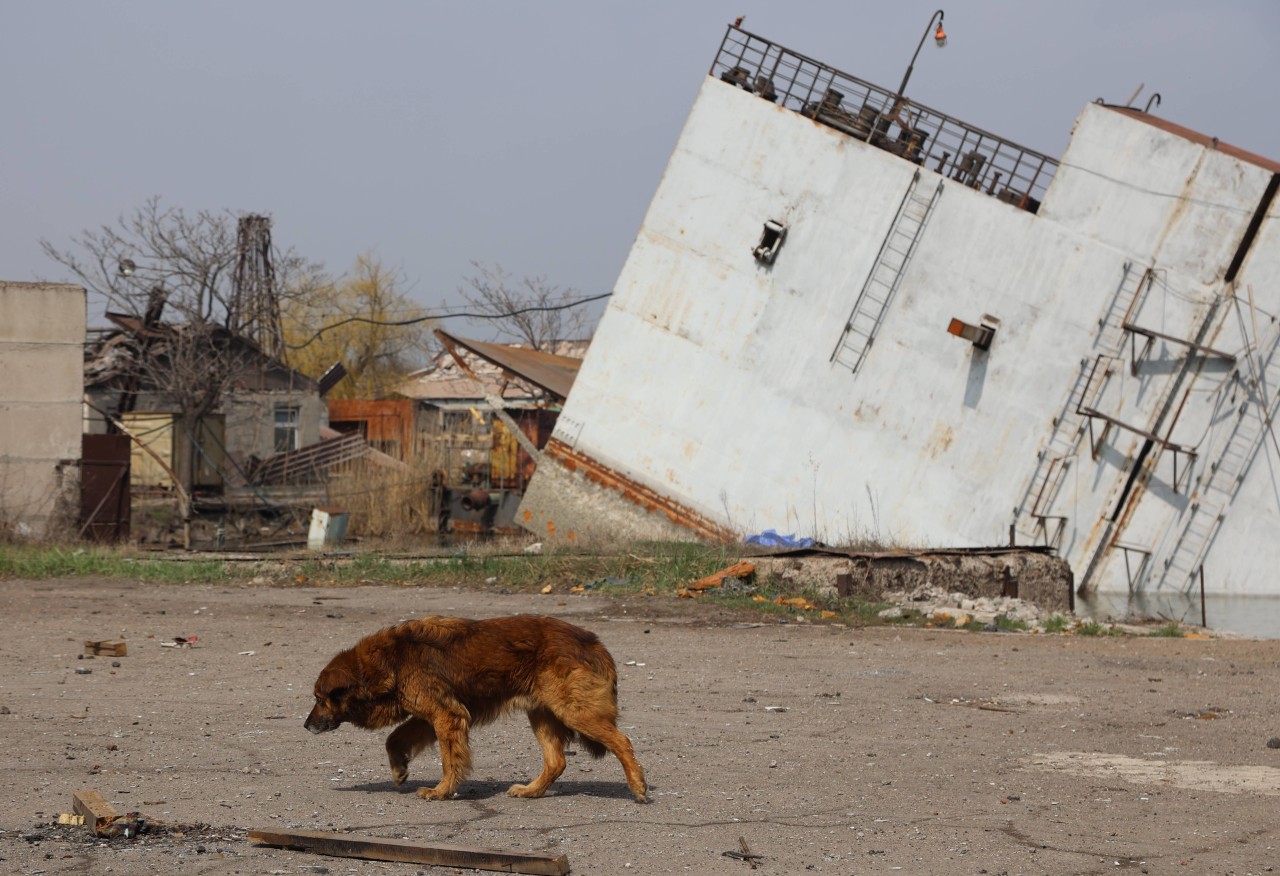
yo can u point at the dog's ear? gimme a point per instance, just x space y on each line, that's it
376 672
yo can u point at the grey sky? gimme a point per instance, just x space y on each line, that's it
530 135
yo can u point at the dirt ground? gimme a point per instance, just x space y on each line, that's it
826 749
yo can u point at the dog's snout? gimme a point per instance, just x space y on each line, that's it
320 723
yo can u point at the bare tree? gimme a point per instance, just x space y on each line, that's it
176 274
530 311
191 258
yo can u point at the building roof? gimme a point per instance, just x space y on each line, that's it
522 377
112 360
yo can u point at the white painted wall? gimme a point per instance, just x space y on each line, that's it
710 381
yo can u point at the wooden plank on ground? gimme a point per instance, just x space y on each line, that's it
344 845
95 810
106 647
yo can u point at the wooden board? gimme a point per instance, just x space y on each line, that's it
106 647
344 845
95 810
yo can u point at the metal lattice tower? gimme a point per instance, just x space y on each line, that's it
255 307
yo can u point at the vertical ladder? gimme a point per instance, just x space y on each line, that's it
1221 479
885 276
1070 424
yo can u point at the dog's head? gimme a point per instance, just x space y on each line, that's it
353 689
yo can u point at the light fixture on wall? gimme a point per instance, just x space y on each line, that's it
939 37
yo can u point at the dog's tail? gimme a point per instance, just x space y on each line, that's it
591 747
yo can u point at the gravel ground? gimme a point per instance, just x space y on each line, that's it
826 749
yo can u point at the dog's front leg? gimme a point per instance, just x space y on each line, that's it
451 729
405 743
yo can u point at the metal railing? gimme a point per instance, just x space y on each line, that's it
917 133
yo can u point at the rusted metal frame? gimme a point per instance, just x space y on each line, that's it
724 41
1152 334
1129 575
1041 519
941 121
1162 443
1084 394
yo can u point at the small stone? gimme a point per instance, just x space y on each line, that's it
1273 742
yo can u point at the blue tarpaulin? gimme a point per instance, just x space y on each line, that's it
770 538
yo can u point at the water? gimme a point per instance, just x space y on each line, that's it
1257 616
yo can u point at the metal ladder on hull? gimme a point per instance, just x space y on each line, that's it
1221 479
1071 423
885 276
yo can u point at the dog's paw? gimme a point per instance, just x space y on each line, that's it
523 791
435 794
399 773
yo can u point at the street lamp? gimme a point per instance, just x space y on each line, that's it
939 37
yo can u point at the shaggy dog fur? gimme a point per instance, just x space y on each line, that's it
438 676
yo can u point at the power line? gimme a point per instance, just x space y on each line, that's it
440 316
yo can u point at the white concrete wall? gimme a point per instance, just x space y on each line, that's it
42 333
709 379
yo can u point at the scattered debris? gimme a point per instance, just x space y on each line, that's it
744 853
379 849
181 642
1273 742
106 647
70 818
95 811
546 589
128 825
741 570
83 670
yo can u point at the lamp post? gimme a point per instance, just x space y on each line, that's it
939 36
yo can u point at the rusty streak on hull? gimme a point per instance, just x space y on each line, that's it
643 497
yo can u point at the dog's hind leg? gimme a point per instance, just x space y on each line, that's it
589 707
608 734
405 743
552 735
451 730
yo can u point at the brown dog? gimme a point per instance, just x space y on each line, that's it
447 674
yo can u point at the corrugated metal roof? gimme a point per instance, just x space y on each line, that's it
518 373
550 372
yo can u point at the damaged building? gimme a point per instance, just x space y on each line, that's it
209 415
485 412
853 316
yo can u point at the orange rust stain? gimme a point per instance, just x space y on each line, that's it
528 515
637 494
551 528
941 439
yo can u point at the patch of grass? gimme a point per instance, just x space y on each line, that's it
1056 623
1093 628
1171 630
31 561
1011 624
